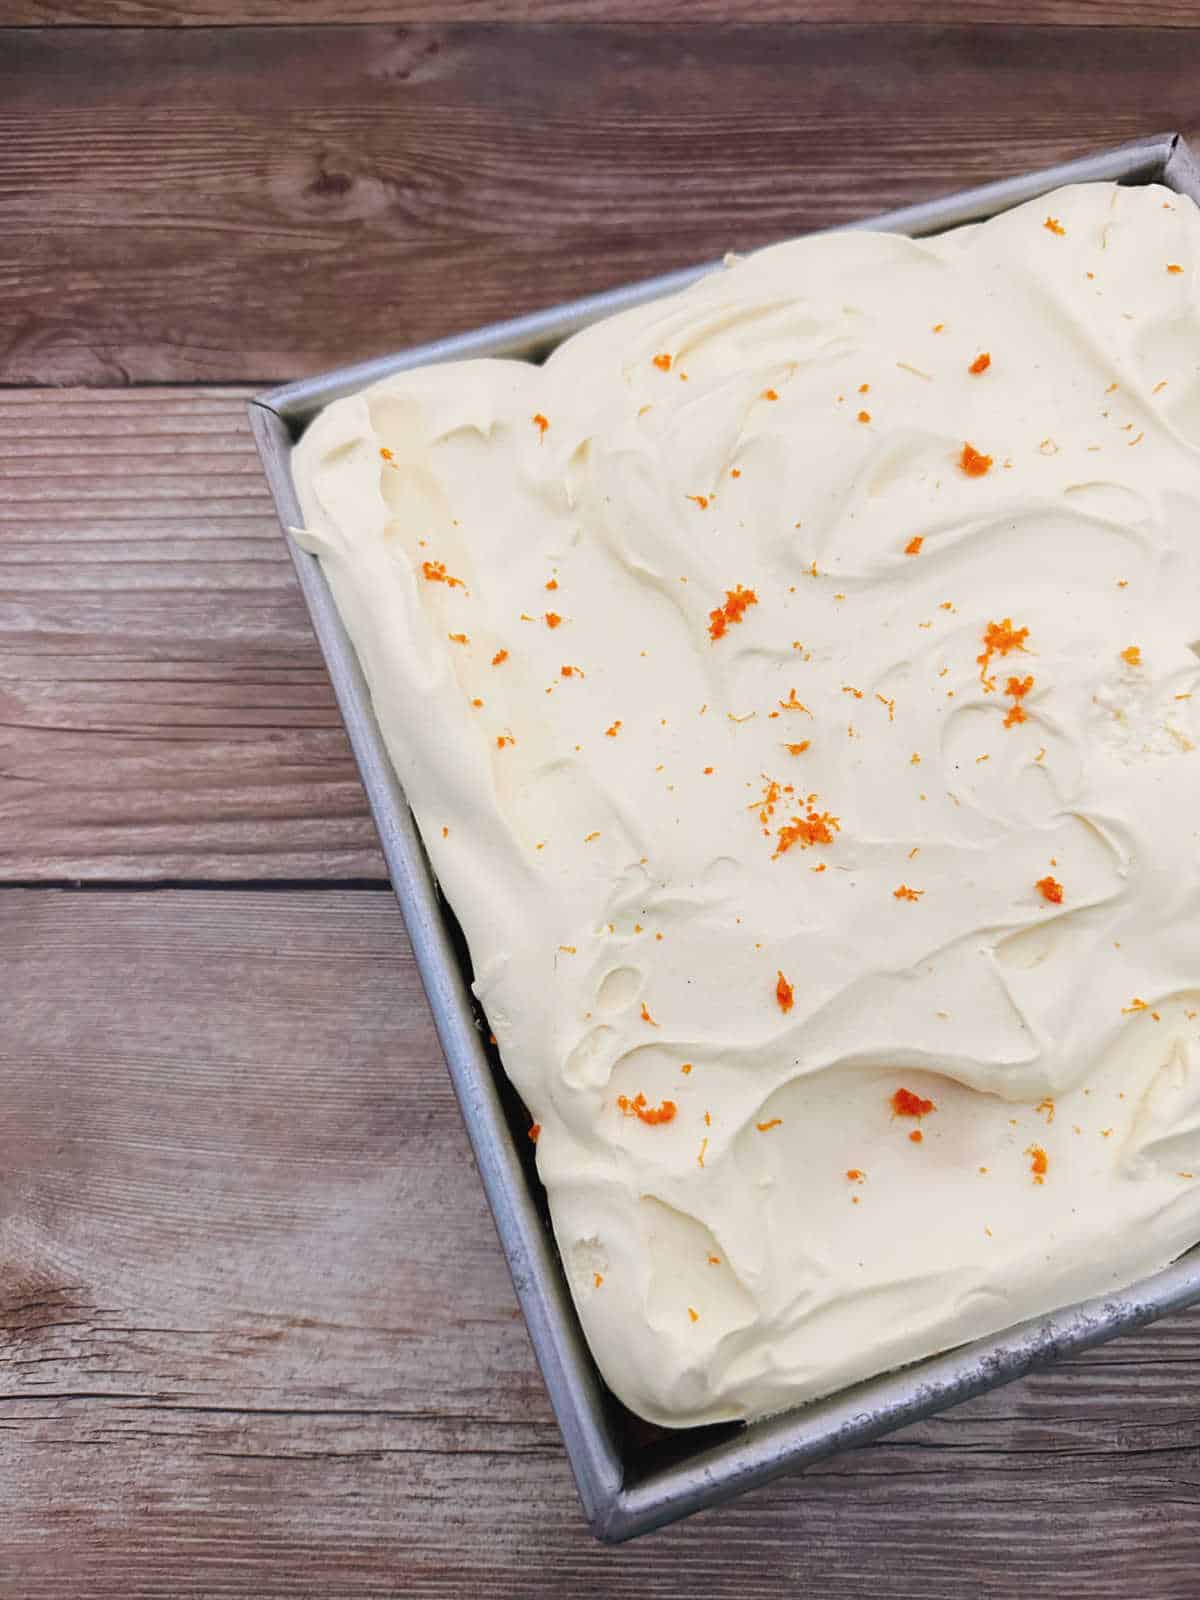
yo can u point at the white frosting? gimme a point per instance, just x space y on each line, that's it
723 1269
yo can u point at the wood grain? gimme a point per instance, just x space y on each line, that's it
164 710
248 204
206 13
256 1338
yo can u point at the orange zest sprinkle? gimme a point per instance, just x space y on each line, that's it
597 1279
499 658
1039 1162
504 738
435 572
552 619
735 472
814 828
855 1174
981 363
797 749
477 704
907 1104
864 388
572 672
646 1017
905 893
1050 889
541 423
385 453
973 462
694 1314
785 995
913 547
765 1127
769 394
551 583
686 1068
737 603
1132 656
999 638
653 1115
535 1131
612 731
1136 1004
703 1148
700 499
445 833
864 416
1054 225
1173 266
938 327
916 1136
1047 1105
792 704
588 837
663 362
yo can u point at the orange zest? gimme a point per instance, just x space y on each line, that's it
435 572
907 1104
1017 689
855 1174
792 704
1050 889
504 738
905 893
612 731
535 1131
700 499
797 749
1132 655
1173 266
785 995
646 1017
864 416
653 1115
913 547
980 364
552 619
1039 1162
541 423
973 462
663 362
765 1127
458 638
1053 225
500 658
737 603
999 638
817 827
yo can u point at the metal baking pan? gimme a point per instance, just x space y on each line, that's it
632 1477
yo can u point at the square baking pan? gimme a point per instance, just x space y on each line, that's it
633 1477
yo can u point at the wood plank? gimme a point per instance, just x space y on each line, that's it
206 13
164 710
256 1338
243 204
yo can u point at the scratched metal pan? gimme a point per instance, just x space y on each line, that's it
631 1477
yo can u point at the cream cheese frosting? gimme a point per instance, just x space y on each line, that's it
793 682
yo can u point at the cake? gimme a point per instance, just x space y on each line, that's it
792 680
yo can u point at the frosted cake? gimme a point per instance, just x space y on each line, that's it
793 682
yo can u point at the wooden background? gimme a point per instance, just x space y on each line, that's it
256 1338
